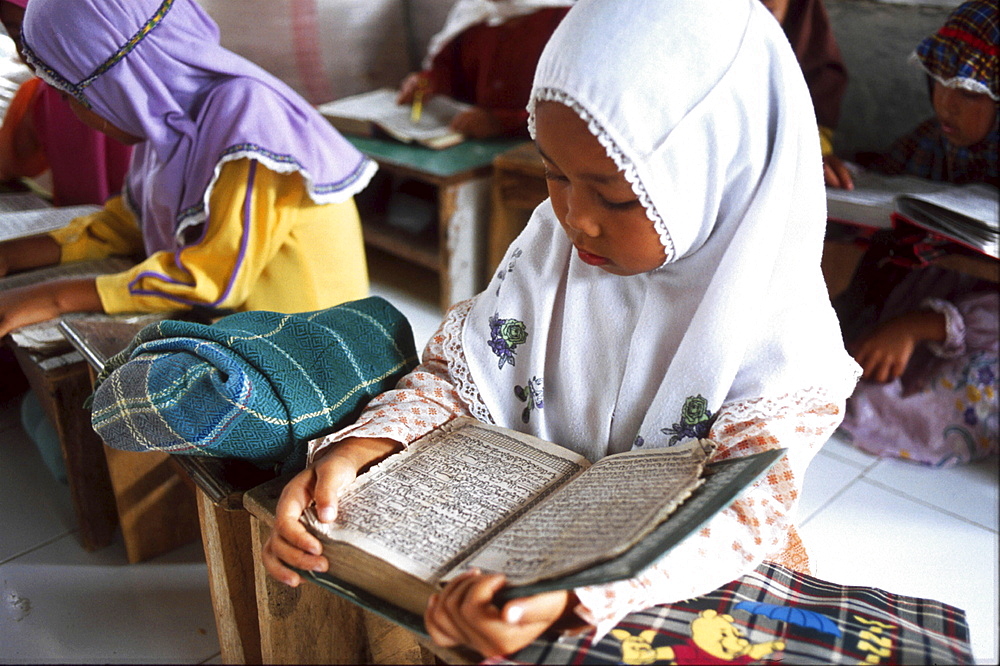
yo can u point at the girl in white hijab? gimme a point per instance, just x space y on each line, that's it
669 288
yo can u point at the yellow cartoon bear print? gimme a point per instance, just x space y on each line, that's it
714 640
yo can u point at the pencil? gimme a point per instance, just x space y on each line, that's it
418 105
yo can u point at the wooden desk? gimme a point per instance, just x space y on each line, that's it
311 625
62 384
154 503
163 499
518 187
460 176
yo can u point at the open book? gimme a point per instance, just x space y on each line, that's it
26 214
366 113
474 495
45 337
966 214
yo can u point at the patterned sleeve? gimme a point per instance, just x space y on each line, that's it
758 526
970 323
422 400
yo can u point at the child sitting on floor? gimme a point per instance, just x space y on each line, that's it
652 299
239 195
930 348
486 55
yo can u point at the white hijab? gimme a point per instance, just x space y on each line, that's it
466 13
706 112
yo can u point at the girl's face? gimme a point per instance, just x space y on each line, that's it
966 117
594 203
94 121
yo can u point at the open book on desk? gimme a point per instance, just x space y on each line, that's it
25 214
45 337
966 214
475 495
367 113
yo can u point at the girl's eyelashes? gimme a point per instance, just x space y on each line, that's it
552 175
619 205
606 203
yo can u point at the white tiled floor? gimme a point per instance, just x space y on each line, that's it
897 526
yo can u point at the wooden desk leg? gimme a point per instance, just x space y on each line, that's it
156 507
464 211
840 261
82 450
227 539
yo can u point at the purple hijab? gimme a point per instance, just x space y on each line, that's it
155 69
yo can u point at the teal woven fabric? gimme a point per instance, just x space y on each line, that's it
254 385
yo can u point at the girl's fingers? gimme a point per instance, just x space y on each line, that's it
438 626
332 474
294 499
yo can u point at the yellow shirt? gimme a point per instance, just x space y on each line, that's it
280 251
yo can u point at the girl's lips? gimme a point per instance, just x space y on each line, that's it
592 259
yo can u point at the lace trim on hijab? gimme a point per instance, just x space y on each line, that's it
324 193
53 78
458 367
623 163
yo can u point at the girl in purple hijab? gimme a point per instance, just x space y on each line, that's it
239 195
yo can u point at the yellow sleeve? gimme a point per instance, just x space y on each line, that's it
265 246
825 141
110 231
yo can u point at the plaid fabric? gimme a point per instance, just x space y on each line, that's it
925 152
254 385
785 617
963 53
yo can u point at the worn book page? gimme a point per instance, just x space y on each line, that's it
873 200
600 514
966 213
11 202
22 223
427 508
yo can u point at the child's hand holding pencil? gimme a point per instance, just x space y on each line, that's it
414 90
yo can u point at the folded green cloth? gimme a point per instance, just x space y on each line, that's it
254 385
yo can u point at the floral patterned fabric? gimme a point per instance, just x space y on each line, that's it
943 410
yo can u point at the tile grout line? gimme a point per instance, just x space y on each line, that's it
39 546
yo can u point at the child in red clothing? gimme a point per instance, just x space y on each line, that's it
40 132
485 56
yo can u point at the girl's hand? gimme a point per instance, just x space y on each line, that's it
463 614
408 88
836 173
41 302
476 123
290 542
885 353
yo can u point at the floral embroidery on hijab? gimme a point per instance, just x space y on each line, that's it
505 336
696 420
530 393
501 274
